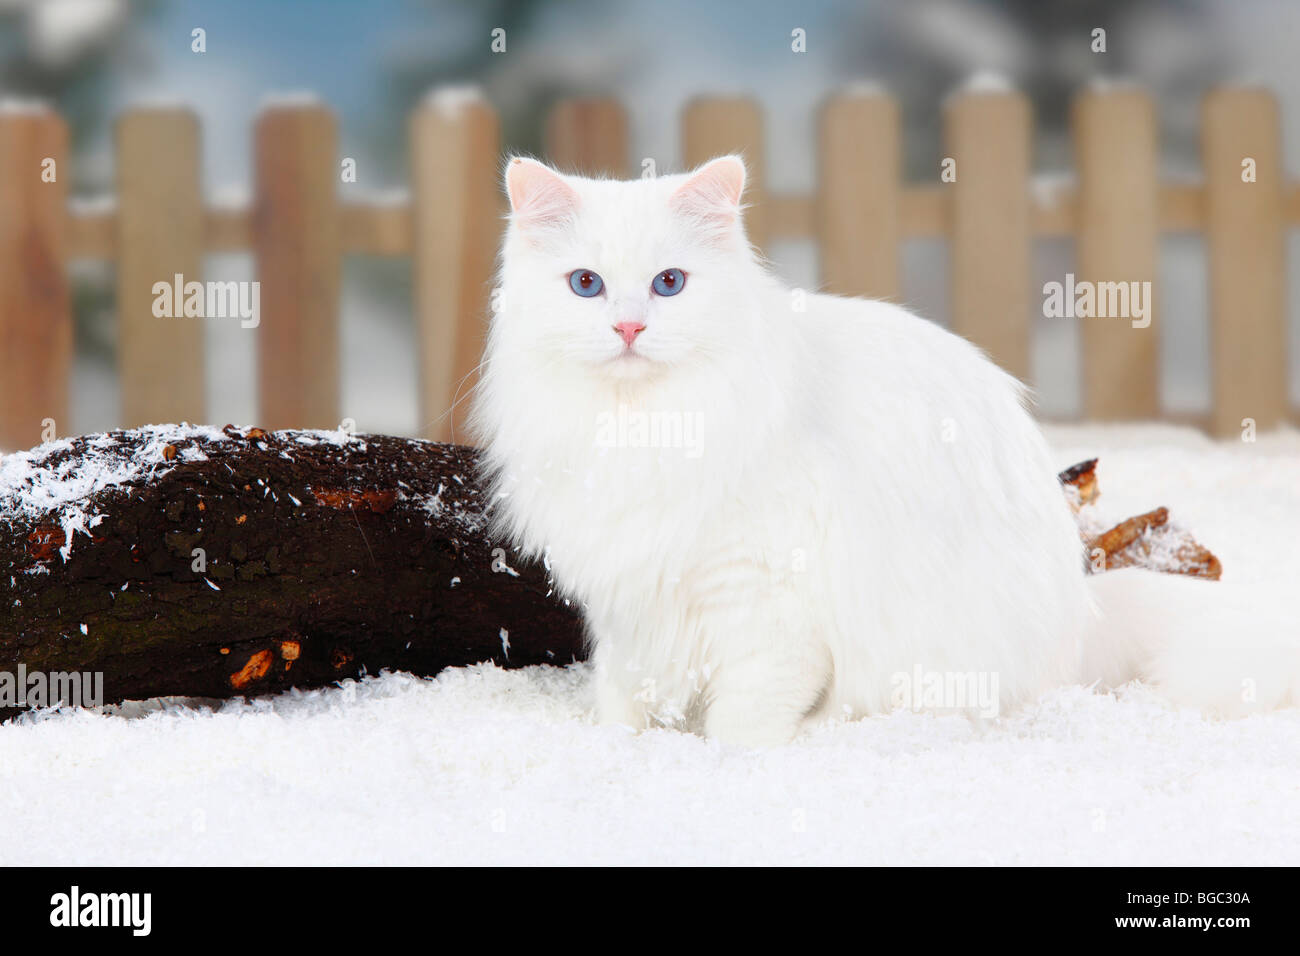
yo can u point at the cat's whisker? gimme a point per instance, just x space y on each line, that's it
456 399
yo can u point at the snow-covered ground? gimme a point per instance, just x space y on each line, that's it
488 766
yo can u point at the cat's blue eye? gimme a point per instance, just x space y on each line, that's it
669 282
585 283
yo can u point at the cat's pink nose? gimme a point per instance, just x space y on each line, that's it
629 331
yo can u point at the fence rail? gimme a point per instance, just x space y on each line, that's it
298 228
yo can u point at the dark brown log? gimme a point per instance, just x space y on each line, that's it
214 564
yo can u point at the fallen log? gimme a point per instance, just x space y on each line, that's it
198 562
213 563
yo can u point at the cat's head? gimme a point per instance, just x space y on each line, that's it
624 281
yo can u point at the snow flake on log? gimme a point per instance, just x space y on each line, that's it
58 487
57 484
469 520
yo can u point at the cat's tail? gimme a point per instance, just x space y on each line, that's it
1217 645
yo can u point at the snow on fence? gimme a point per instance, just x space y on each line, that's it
298 229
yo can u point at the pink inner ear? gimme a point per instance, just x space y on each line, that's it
716 186
538 194
711 198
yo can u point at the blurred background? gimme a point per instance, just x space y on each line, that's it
373 61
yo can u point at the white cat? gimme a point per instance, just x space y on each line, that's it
774 507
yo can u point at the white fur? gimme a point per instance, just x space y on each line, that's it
867 496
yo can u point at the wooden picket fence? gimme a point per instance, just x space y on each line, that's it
298 228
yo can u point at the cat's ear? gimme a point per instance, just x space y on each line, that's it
539 196
712 193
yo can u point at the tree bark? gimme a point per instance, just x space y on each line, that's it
215 564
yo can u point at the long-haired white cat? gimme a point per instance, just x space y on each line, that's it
774 507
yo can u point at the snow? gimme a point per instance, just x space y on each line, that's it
469 521
985 82
34 488
48 484
451 102
487 766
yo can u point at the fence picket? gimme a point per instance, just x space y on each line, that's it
159 236
35 306
296 241
858 195
1246 250
588 136
715 126
988 135
457 227
1118 242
